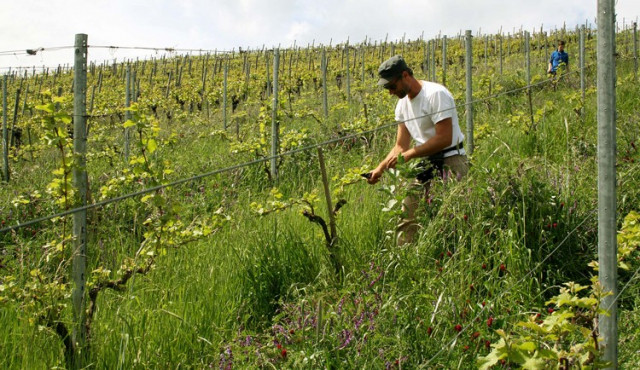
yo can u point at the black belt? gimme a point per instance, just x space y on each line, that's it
435 162
451 149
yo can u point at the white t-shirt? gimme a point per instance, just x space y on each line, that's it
420 114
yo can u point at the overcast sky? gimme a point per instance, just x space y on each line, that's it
224 25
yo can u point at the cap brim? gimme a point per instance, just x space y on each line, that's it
383 81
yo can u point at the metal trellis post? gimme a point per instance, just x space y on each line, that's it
5 133
444 59
127 113
80 183
607 243
582 72
469 104
275 129
325 103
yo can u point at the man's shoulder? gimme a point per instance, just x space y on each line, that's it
432 87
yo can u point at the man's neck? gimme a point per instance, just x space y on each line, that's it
416 87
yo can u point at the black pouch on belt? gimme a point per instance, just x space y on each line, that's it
434 164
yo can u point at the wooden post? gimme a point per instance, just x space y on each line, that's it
15 116
80 182
166 94
327 195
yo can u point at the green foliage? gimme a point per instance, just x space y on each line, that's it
566 337
253 291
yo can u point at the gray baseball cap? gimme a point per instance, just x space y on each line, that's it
391 68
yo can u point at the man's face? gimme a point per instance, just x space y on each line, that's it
397 87
561 47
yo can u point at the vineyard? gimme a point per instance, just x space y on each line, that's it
228 225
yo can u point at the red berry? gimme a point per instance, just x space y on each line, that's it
503 267
284 353
471 287
449 254
550 309
487 343
555 224
279 346
484 303
465 217
429 330
458 327
466 348
490 321
484 266
475 335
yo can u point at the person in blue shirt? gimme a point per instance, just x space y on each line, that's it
557 57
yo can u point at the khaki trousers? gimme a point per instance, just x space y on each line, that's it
456 166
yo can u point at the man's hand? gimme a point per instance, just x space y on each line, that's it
375 176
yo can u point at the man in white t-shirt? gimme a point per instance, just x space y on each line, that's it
426 113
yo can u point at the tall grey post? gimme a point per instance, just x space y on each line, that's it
469 104
607 243
224 95
5 133
527 60
275 129
127 114
348 74
500 54
444 59
635 50
80 183
325 102
433 61
582 72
